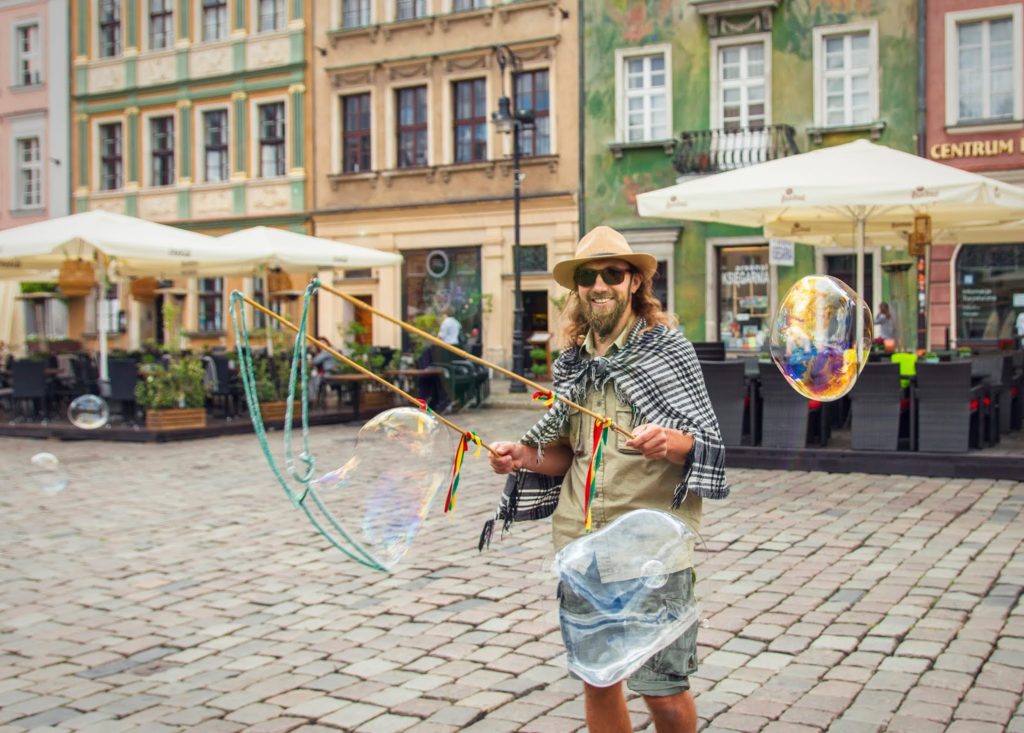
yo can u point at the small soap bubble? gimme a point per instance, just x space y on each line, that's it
46 473
88 412
812 337
383 493
618 608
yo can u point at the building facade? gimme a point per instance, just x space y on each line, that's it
33 140
676 90
975 121
194 114
408 159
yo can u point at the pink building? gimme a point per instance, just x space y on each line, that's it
34 103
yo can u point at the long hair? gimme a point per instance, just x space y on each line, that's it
643 303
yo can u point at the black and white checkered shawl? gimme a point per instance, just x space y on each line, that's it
658 375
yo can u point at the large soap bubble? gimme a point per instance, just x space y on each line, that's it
619 604
88 412
46 473
812 338
382 494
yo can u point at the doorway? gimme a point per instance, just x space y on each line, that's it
844 267
535 311
365 319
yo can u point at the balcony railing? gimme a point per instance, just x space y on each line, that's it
700 152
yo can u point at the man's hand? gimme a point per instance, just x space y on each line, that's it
508 458
656 443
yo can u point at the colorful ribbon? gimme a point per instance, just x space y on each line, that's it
546 396
601 427
426 408
464 440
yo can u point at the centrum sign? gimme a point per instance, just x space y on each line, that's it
975 149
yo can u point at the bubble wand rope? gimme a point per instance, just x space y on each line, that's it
363 370
540 390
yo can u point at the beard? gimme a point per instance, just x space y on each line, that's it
603 323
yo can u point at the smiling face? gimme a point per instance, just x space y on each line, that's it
607 308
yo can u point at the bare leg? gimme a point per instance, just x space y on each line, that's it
673 713
606 709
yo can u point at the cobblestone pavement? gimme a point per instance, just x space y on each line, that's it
173 587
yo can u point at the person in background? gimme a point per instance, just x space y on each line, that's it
322 363
884 327
1019 326
450 329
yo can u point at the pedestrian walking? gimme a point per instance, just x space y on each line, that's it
624 359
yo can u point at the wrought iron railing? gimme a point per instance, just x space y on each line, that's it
700 152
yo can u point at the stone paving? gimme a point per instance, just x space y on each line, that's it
173 587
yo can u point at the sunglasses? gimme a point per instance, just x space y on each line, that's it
586 277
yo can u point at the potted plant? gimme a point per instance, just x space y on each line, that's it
539 366
930 357
372 395
174 397
272 387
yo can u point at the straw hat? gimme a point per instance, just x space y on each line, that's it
603 243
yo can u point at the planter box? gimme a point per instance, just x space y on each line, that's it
274 411
376 400
176 419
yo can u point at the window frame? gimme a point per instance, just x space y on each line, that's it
203 151
474 123
419 9
953 20
221 12
276 142
280 14
213 296
413 128
34 57
161 159
22 167
362 136
528 137
820 35
465 6
166 17
112 24
104 160
714 69
362 13
622 56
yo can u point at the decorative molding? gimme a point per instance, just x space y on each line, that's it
409 72
362 77
736 17
817 134
467 64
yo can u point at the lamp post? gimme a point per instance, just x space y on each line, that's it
507 122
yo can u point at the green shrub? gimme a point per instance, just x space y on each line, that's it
178 385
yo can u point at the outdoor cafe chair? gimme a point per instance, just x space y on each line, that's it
879 411
124 374
997 370
29 383
219 383
727 389
950 411
709 350
788 419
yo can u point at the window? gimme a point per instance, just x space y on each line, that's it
110 28
161 24
215 20
108 310
984 65
531 93
355 13
435 280
27 68
269 15
215 145
259 294
409 9
111 163
741 87
412 127
470 120
355 111
460 5
29 176
211 303
272 131
161 144
642 94
845 75
743 317
533 258
988 295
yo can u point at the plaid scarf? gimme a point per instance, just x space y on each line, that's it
658 375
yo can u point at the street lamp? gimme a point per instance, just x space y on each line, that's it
506 122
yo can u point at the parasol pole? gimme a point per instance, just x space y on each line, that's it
858 333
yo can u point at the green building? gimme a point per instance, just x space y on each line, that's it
674 90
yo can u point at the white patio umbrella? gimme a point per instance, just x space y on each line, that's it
130 246
859 187
294 252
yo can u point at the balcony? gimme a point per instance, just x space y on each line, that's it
702 152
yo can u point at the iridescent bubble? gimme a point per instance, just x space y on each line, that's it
46 473
88 412
621 599
381 496
812 337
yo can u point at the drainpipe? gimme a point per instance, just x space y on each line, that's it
922 149
581 185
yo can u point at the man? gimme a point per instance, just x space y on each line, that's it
451 329
624 360
883 319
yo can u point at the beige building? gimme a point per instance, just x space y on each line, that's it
407 158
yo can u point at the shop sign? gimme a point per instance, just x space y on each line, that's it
756 274
974 149
781 252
